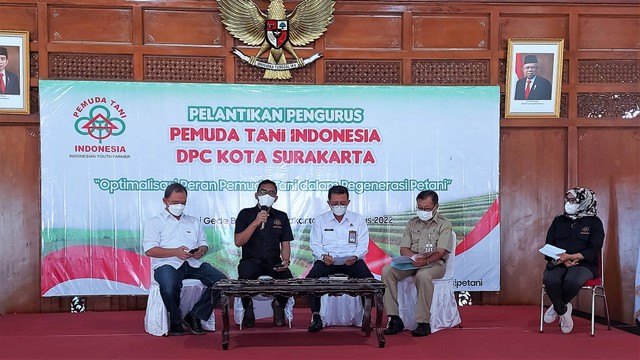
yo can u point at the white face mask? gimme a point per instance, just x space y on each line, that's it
339 210
570 208
266 200
425 215
176 209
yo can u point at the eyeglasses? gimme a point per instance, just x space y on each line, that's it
265 192
425 209
571 200
342 203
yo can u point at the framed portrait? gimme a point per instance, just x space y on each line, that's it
534 78
14 72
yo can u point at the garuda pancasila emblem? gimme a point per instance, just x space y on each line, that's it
276 31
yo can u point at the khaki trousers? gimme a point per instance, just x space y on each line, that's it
424 285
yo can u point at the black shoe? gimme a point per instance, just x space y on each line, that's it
278 313
395 326
249 319
316 323
176 330
193 324
423 329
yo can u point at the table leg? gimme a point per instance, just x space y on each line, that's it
366 320
379 309
224 302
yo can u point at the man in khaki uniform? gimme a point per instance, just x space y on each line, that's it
428 241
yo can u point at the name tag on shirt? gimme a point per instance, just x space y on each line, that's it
328 229
353 238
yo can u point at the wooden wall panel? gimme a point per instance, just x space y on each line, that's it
363 72
608 105
19 219
445 72
13 17
365 31
459 32
534 27
533 164
609 71
609 32
169 27
608 162
90 66
184 69
74 24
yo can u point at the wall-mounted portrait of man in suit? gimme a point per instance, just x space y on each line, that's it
9 70
532 84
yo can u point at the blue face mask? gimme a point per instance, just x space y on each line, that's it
339 210
425 215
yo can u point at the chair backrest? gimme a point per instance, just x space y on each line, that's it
448 273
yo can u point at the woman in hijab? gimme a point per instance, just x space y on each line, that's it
580 233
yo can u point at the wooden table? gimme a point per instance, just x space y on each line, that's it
370 289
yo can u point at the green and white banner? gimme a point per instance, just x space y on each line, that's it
110 148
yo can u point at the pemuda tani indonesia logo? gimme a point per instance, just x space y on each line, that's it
98 120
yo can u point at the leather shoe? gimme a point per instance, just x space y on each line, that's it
176 330
193 324
423 329
395 326
316 323
249 319
278 313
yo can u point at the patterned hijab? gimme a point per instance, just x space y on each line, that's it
586 200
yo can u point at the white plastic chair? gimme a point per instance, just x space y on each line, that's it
343 310
261 309
444 308
156 318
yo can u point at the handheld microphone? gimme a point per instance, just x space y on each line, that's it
263 208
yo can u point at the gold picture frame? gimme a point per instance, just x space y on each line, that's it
14 66
534 78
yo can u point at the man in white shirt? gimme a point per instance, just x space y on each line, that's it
176 243
339 241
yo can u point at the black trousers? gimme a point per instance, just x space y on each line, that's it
358 270
170 282
563 284
252 269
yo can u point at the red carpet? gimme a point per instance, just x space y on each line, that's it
489 332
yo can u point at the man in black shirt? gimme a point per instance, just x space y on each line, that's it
264 234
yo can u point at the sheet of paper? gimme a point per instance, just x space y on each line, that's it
340 260
552 251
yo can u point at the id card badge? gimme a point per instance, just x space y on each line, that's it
353 238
